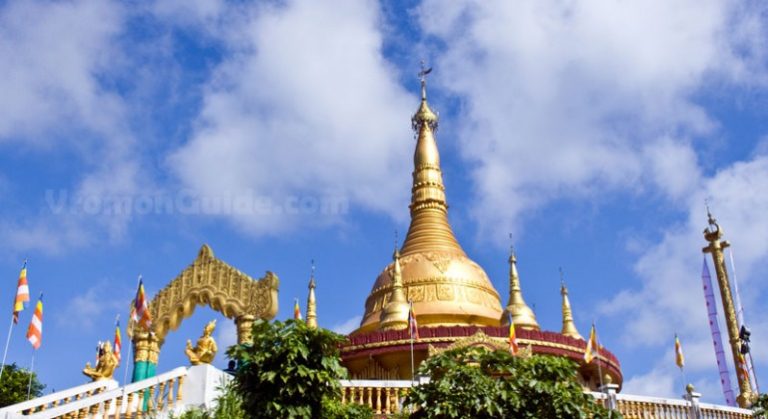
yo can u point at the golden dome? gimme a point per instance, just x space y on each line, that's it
445 286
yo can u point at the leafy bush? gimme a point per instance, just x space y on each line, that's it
13 385
291 370
473 382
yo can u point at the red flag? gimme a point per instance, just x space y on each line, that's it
140 311
118 341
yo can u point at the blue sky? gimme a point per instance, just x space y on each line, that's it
592 132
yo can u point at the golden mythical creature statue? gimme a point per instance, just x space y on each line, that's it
105 366
206 347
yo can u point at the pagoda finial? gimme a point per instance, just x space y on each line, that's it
569 327
429 230
522 315
395 313
424 117
311 302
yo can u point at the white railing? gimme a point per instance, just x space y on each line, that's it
386 397
61 398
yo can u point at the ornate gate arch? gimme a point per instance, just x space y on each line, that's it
207 281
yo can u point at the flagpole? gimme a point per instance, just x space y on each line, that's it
31 369
410 332
7 344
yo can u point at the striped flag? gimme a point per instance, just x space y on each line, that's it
296 310
679 358
413 326
741 369
591 352
35 331
140 310
513 348
22 294
118 341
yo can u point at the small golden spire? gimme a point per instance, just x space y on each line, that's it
395 313
569 328
522 315
311 303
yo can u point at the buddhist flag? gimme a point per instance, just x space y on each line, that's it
679 358
296 310
513 348
118 341
413 326
35 331
22 294
741 369
140 310
591 352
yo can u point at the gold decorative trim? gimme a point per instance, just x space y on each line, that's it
521 342
212 282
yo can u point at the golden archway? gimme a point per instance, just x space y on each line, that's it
207 281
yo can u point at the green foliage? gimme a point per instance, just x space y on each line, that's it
473 382
291 370
228 406
13 385
760 407
334 409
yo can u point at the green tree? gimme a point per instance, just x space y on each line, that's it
473 382
760 407
13 385
291 370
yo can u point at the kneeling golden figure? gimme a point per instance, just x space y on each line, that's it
105 365
206 347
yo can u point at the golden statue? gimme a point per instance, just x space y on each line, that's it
105 366
206 347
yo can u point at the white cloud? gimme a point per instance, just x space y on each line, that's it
58 99
347 326
48 77
226 334
670 298
303 114
84 309
573 99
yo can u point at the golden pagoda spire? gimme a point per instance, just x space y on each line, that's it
311 303
569 328
522 315
429 229
395 313
713 233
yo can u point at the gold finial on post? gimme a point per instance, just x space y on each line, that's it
569 327
206 347
522 315
395 313
713 234
311 302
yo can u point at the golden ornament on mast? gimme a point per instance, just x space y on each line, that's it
713 233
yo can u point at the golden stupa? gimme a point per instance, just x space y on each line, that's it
446 287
